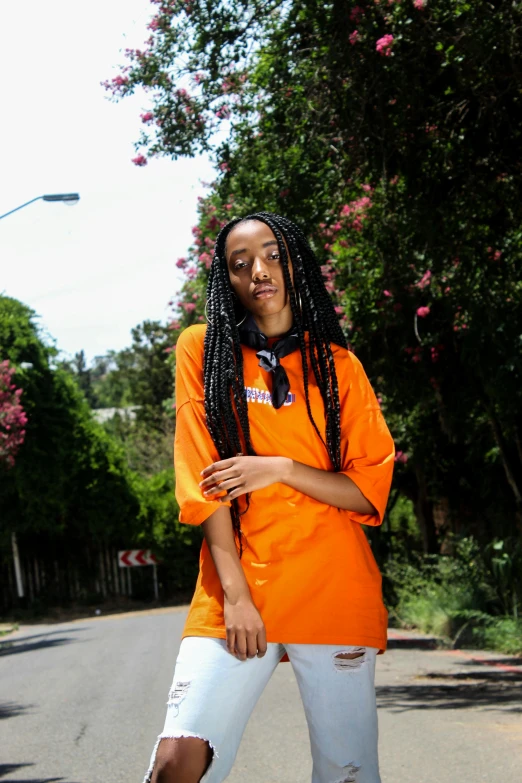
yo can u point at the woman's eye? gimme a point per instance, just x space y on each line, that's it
274 256
239 264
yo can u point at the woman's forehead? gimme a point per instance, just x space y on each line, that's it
251 231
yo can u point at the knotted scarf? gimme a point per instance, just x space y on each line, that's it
251 335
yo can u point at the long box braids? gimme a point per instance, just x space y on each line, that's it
313 312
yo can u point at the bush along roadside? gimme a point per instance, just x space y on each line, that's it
470 597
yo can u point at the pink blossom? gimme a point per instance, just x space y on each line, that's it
224 167
223 113
147 117
356 13
339 310
120 81
425 280
387 293
354 37
384 45
422 312
191 272
420 4
189 307
180 263
12 416
367 188
139 160
174 325
400 456
206 259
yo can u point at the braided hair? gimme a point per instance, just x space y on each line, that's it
313 312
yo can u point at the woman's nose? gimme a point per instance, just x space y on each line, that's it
259 270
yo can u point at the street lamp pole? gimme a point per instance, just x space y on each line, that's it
65 198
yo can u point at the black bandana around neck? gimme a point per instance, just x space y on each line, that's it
251 335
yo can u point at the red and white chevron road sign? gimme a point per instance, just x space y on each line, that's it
136 557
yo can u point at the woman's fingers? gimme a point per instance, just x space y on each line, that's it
220 475
241 645
251 641
261 642
231 641
223 486
244 645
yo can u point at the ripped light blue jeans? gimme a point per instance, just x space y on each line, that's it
213 695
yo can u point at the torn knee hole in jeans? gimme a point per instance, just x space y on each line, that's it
175 736
348 661
350 770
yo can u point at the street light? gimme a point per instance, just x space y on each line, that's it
65 198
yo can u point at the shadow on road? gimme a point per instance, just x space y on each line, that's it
422 643
24 637
462 690
10 709
7 769
13 647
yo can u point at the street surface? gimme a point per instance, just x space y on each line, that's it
83 702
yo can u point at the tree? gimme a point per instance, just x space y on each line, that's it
390 131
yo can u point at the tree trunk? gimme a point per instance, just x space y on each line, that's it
424 514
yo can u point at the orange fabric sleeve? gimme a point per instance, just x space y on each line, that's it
367 448
194 449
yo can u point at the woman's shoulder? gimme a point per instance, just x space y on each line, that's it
345 359
191 340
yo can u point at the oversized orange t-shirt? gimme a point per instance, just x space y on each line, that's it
310 569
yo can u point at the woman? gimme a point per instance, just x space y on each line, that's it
281 454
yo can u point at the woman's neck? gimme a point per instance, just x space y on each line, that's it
276 324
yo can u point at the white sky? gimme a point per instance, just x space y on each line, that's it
94 270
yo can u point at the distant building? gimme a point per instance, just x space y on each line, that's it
105 414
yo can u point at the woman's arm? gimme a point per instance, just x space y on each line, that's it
239 475
246 636
337 489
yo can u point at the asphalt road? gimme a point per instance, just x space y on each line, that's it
82 702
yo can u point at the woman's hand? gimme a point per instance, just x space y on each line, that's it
246 635
239 475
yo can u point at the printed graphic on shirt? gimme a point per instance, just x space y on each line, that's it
263 396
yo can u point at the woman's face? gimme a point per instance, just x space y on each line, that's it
256 270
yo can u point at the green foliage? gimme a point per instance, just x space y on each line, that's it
140 375
466 596
500 633
391 133
177 545
78 486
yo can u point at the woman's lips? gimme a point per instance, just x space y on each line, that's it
265 292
